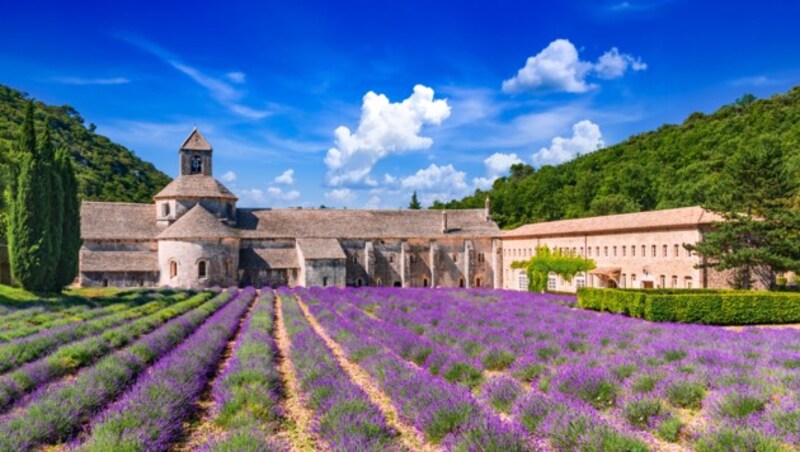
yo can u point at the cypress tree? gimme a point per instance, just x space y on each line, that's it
28 214
67 266
53 191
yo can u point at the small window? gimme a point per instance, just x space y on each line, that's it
662 280
674 282
523 281
359 282
325 281
105 282
581 251
688 253
201 269
580 281
141 283
644 251
398 284
455 259
615 251
424 282
677 250
665 254
391 258
551 283
622 281
597 251
477 282
165 210
482 258
197 164
633 278
461 282
173 269
605 251
633 250
688 282
653 249
412 258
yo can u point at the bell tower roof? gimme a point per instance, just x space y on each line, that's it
195 142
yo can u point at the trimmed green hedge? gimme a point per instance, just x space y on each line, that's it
712 307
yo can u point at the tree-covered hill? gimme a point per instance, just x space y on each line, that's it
105 170
673 166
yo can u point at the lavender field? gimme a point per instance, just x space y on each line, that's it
388 369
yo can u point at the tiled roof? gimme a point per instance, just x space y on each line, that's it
656 219
196 142
338 223
118 220
195 186
197 223
118 261
268 258
321 249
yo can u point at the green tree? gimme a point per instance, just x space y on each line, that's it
545 261
67 265
760 234
414 204
53 215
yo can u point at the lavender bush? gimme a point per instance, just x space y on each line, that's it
57 412
149 416
73 356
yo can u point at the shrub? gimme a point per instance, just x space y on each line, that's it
465 374
738 405
502 392
641 413
497 359
590 385
447 420
529 372
669 429
686 394
646 383
713 307
727 440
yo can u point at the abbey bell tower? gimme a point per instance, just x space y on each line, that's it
195 155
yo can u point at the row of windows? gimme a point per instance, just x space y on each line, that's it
606 251
662 281
202 268
412 258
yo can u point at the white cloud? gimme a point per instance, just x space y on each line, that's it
373 203
278 193
558 67
287 177
250 196
341 196
555 68
435 176
236 77
229 177
225 94
91 81
586 138
613 64
497 165
385 128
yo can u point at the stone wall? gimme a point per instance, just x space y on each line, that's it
120 245
221 258
325 273
119 279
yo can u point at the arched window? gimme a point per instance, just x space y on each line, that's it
165 211
455 259
325 281
201 269
359 282
391 258
461 282
424 282
477 282
105 282
173 269
687 282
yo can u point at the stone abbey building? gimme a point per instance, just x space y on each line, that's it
194 235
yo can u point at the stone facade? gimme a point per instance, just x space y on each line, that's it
195 236
640 250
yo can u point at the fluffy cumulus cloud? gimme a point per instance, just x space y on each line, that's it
229 177
558 67
442 182
586 138
497 165
613 64
385 128
286 178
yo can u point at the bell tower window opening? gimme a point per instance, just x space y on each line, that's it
196 165
201 269
165 209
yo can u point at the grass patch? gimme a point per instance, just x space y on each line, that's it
686 394
465 374
497 360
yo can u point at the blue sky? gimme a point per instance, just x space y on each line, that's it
358 104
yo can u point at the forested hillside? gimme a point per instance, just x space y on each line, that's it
673 166
105 170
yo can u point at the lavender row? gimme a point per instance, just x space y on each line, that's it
150 415
20 351
71 357
743 386
447 414
57 413
344 416
68 316
248 391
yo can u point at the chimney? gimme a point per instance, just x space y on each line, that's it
487 210
444 221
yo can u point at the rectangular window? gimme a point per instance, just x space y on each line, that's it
551 283
665 251
605 251
663 281
580 281
622 281
677 250
615 251
674 282
633 250
688 253
597 251
688 283
590 251
624 250
653 249
581 251
633 278
644 251
523 281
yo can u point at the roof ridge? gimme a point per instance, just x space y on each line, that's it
198 142
121 203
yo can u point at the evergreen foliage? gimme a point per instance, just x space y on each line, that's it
673 166
43 224
414 204
546 261
760 236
